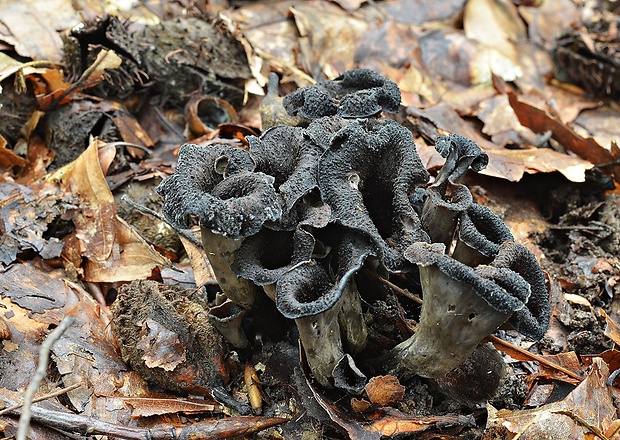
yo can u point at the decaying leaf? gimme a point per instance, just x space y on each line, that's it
384 390
586 411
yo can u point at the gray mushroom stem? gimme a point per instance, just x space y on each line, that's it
221 252
322 343
351 319
454 319
324 336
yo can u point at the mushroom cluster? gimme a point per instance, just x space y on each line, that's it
300 213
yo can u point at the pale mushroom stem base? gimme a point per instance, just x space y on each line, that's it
453 321
221 252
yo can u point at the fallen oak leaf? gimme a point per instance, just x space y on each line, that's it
97 209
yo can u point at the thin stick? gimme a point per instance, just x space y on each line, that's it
40 398
494 339
395 288
497 341
185 233
23 428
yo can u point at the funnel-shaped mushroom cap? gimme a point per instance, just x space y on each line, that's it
463 305
512 283
263 258
215 183
358 93
533 319
366 177
460 153
314 286
480 234
291 158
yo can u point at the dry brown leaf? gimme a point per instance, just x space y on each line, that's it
494 23
504 163
540 121
133 258
161 347
94 222
497 26
612 329
203 272
548 19
113 250
384 390
151 406
600 123
392 422
329 37
51 88
588 408
25 19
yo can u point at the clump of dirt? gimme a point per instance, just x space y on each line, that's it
165 335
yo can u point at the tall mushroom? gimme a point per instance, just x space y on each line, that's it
473 276
322 299
366 177
216 184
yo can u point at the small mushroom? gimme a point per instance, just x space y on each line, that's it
358 93
227 318
366 177
204 113
463 305
446 197
327 308
215 184
272 112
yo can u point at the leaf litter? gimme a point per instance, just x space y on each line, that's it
484 70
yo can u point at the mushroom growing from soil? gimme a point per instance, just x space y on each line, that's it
307 207
217 185
474 277
322 298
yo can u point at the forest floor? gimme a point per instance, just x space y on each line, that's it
96 100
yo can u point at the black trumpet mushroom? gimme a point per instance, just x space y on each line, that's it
307 207
474 277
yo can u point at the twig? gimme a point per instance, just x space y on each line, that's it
395 288
146 210
40 398
497 341
89 426
23 427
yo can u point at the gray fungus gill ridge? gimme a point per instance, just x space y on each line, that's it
299 215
